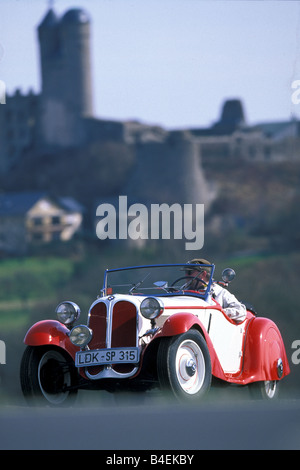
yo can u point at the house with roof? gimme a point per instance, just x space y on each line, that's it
35 217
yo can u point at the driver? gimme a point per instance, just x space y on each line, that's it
234 309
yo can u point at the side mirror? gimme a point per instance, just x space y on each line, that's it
228 275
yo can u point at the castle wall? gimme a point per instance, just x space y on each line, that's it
18 127
168 172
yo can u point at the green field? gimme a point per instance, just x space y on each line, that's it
26 283
32 278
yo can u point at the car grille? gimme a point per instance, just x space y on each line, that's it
114 325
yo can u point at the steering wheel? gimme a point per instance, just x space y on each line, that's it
190 278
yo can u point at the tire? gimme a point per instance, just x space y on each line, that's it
44 373
184 366
266 390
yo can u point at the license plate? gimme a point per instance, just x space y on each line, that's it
106 356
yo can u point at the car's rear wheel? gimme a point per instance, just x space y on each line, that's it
265 390
183 365
46 375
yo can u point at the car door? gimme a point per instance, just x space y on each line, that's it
227 339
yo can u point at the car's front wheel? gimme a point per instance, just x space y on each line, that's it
47 376
184 366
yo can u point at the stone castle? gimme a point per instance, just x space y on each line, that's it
169 167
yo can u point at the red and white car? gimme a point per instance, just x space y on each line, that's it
147 329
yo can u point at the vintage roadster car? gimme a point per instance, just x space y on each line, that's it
152 326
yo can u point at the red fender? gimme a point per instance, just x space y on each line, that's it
52 333
182 322
263 348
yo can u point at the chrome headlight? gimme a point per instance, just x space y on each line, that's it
80 335
67 312
151 308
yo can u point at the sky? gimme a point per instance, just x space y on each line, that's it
170 62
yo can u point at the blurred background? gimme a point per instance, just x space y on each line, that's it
173 101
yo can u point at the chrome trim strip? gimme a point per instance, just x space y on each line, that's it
109 373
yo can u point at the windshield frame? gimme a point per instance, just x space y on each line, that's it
200 294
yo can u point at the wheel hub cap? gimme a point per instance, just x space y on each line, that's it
191 367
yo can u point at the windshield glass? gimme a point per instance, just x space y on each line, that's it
159 280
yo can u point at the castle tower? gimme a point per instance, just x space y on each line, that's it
49 51
232 117
66 95
75 52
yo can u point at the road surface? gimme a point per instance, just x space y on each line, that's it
153 424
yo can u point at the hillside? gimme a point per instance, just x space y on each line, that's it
86 174
256 207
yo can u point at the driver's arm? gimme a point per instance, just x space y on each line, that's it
234 309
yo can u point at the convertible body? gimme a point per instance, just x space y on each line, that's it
151 327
